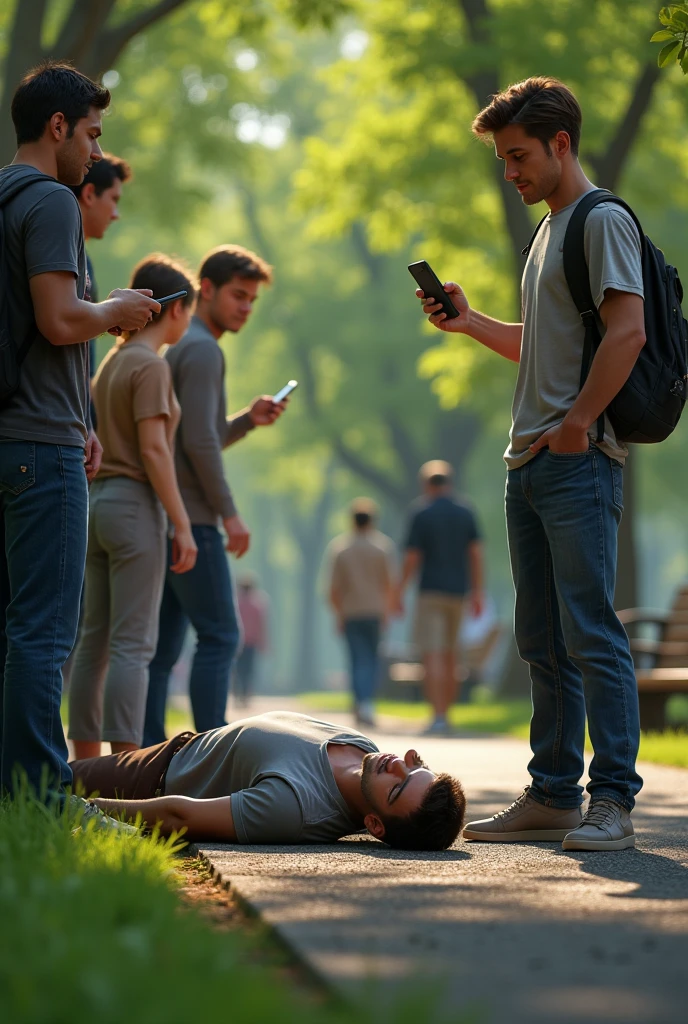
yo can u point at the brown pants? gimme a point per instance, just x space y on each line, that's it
132 775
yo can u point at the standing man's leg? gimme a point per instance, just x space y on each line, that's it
173 623
550 807
207 597
44 499
355 645
369 669
580 499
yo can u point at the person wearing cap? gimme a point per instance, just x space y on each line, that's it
443 549
361 575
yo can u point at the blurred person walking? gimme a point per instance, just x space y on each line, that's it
127 534
48 453
564 494
361 575
443 549
253 606
230 280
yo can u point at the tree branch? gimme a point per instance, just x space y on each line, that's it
484 84
23 52
81 26
608 166
111 41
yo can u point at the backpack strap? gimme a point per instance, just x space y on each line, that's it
6 196
526 249
578 277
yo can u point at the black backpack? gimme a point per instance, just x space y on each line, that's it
12 352
649 405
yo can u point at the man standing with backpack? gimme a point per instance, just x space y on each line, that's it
47 455
565 477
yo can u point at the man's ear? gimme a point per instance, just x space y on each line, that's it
207 289
88 193
375 826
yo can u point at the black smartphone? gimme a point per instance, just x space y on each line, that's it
285 391
170 298
430 284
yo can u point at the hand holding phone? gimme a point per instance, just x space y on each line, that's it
431 286
163 301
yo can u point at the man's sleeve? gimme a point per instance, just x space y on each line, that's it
237 427
268 813
474 532
414 538
199 387
52 234
613 252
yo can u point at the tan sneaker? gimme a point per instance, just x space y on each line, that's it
525 821
606 826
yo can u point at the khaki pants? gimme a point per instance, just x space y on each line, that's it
125 571
437 622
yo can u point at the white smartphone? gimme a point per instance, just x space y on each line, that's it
285 391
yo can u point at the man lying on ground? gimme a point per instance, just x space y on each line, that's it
279 777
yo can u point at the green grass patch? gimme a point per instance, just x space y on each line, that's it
91 929
512 718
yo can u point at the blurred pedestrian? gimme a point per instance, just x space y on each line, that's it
48 454
127 537
253 614
443 549
230 280
361 569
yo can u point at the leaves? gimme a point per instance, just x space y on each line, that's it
675 18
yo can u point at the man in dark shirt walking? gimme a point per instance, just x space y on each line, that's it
444 548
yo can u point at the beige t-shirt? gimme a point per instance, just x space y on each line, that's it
361 572
132 384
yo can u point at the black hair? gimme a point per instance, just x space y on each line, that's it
438 480
435 824
103 174
228 261
53 87
362 518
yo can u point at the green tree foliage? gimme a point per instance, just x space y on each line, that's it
674 36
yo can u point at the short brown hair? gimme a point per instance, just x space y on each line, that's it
103 173
164 275
436 472
227 261
544 106
435 824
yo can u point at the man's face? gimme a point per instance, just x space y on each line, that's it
534 173
231 304
78 150
395 786
99 211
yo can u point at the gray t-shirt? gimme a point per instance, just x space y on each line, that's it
552 347
198 372
43 233
276 769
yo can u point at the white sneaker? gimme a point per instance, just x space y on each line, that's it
605 826
89 816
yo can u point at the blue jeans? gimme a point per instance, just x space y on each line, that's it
563 513
203 597
44 510
363 638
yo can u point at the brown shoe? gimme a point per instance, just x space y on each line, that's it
525 821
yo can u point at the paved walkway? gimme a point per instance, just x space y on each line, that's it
524 933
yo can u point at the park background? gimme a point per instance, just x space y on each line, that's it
334 139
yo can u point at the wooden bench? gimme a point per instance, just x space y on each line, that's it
661 662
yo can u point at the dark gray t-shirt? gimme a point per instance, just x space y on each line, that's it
443 530
276 769
43 233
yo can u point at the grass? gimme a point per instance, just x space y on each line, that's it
511 718
91 929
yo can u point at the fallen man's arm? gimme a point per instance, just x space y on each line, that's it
203 819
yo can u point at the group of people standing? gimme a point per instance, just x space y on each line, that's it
129 565
443 553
